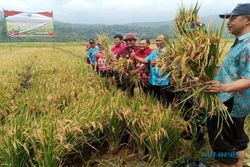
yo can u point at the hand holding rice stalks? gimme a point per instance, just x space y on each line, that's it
123 66
103 41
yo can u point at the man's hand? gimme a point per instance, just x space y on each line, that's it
132 72
195 81
236 86
114 58
172 81
215 87
133 53
153 63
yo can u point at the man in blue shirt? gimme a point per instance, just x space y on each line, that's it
232 84
91 52
160 81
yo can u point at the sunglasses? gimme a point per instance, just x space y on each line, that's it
128 40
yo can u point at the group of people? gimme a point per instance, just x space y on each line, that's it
143 58
232 83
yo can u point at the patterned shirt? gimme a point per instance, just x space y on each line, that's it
236 66
100 59
157 78
91 54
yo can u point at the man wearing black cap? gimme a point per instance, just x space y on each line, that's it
232 84
91 52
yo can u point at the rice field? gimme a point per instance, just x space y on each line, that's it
55 111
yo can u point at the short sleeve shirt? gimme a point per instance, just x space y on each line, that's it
91 53
157 77
236 66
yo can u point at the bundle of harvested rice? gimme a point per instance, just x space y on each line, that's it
194 54
103 40
123 65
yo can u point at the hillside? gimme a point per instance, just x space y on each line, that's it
78 32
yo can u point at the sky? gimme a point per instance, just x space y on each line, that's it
117 11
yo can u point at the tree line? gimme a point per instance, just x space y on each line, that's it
66 32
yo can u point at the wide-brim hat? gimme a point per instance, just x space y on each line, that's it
239 10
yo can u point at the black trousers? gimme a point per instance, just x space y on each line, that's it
146 87
124 83
163 93
197 120
231 139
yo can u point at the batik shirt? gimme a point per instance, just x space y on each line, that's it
236 66
91 54
157 77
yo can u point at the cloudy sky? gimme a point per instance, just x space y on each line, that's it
116 11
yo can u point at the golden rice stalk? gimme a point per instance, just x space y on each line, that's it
195 54
157 130
104 41
123 66
185 17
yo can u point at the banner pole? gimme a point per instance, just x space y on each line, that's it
54 41
6 31
9 42
54 35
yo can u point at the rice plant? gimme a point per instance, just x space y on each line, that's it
66 115
155 131
116 128
123 66
103 40
195 54
15 150
187 18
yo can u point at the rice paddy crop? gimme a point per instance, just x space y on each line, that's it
56 111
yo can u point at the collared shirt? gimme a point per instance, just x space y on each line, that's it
236 66
126 52
157 77
145 74
118 48
91 53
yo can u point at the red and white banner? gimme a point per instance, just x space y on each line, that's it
24 24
